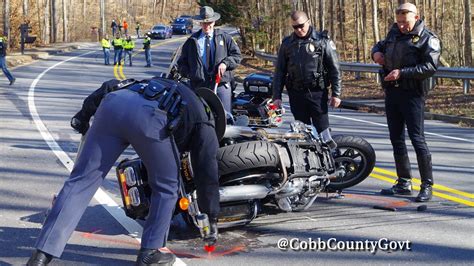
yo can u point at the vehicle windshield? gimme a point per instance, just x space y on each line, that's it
180 21
159 28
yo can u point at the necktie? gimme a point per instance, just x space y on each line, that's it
207 45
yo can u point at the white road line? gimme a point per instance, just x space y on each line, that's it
134 229
385 125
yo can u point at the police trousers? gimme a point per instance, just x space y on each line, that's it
405 107
141 125
310 107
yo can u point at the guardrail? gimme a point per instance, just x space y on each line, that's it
464 73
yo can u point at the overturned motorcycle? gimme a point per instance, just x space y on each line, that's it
260 165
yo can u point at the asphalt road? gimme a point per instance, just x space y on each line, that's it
37 150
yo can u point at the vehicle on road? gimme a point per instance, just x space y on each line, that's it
161 31
182 25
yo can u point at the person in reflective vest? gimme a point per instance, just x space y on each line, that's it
118 48
147 48
106 48
128 45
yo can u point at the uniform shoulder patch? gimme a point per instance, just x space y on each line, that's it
434 43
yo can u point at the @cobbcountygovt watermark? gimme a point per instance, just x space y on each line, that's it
332 244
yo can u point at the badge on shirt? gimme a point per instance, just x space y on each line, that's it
311 47
434 43
221 43
415 39
332 44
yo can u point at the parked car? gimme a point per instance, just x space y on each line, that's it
182 25
161 31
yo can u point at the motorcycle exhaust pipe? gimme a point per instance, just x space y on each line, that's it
243 192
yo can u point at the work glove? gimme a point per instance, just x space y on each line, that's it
80 123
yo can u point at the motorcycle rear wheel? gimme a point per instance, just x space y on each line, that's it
358 158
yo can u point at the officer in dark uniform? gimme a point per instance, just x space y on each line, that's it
210 52
163 114
409 56
307 64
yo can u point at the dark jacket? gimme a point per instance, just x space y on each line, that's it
190 63
307 63
193 114
416 54
3 46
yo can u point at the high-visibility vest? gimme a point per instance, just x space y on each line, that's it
118 43
105 43
128 45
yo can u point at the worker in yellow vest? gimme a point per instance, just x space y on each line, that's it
118 48
128 45
106 48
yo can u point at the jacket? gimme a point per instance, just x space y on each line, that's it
416 54
105 43
191 66
128 45
307 63
117 43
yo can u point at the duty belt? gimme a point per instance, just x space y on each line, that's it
168 98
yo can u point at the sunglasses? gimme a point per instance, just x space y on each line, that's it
403 12
299 26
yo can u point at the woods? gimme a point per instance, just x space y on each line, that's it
355 25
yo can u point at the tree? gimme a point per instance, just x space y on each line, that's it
468 32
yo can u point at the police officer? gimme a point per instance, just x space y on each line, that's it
409 57
3 62
118 49
210 52
128 46
106 48
165 114
147 48
307 64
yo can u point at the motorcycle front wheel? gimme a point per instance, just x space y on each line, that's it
357 157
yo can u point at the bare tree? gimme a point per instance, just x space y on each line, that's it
375 20
65 20
321 14
6 18
53 21
25 8
468 32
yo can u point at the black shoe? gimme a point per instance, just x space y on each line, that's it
12 81
154 257
402 187
39 258
426 192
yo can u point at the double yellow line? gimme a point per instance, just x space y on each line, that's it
118 69
459 196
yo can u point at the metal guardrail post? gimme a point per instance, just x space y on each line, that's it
466 84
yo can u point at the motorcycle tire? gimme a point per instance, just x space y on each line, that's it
246 157
358 157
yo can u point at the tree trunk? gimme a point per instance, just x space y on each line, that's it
47 22
84 10
65 29
102 19
163 7
321 14
357 30
375 20
25 8
332 18
54 31
468 32
40 28
364 30
6 19
342 19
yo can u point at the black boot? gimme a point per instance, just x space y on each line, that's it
426 173
154 257
39 258
403 185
